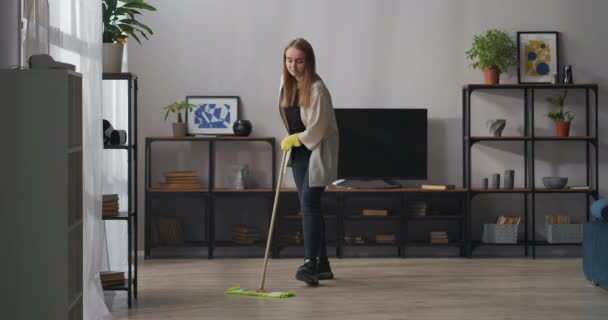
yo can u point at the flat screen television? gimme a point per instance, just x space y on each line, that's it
382 144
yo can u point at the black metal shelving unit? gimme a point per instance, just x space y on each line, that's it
399 219
209 194
529 139
129 216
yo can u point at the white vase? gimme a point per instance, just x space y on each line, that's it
112 57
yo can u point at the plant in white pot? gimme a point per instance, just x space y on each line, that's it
179 127
561 118
119 23
493 52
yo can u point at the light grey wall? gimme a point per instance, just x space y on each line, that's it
9 33
393 54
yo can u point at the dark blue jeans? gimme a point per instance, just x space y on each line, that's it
313 222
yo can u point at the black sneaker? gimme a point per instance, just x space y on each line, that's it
308 273
324 270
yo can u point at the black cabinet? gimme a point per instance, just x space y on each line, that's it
380 221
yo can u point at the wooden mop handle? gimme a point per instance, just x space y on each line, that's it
274 213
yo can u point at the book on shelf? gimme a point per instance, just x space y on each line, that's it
555 219
438 186
111 278
110 197
579 187
439 237
374 213
508 220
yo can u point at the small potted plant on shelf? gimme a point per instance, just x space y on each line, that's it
119 23
493 52
179 127
561 118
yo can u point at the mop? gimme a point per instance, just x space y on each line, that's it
261 292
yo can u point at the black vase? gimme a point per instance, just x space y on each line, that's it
242 128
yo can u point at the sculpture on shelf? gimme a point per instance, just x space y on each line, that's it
242 128
496 181
509 180
496 126
241 177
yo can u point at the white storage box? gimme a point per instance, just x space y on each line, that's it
500 233
565 233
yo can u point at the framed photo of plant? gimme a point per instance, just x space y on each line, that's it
212 115
538 56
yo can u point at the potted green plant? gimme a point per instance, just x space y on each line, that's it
179 127
561 118
493 52
120 22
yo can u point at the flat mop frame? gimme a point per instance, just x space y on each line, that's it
261 292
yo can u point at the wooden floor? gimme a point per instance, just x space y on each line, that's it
369 288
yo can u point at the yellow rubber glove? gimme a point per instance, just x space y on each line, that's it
290 141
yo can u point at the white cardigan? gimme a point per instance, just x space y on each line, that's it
320 136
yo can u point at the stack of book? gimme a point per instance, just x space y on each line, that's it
417 208
294 237
181 180
555 219
111 278
109 205
439 237
508 220
374 213
355 239
385 238
245 235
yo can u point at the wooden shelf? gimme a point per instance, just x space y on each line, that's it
544 190
259 243
121 147
123 215
429 244
208 138
124 286
297 217
514 190
571 138
491 138
396 190
546 243
226 190
437 217
118 76
530 86
362 217
159 190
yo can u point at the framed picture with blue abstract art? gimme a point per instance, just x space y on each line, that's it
212 115
538 56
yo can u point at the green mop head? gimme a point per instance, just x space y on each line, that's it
246 292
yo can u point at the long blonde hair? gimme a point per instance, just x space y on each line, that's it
310 75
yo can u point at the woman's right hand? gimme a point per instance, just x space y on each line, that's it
290 141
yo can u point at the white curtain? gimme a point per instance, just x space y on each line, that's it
75 37
35 32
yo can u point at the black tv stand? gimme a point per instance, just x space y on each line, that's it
367 184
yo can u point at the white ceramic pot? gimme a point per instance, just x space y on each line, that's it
112 57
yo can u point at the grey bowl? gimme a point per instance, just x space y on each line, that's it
555 182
